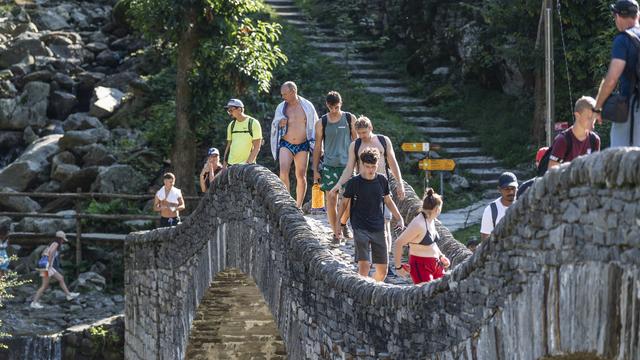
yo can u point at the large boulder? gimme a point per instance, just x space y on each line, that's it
50 19
62 104
11 146
107 101
30 109
33 162
17 203
65 157
81 179
119 179
75 138
97 155
108 58
81 121
64 172
89 281
25 45
40 225
120 80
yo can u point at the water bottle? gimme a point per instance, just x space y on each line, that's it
317 198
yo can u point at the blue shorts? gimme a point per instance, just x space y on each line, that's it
4 260
295 148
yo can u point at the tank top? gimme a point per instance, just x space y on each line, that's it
336 142
428 238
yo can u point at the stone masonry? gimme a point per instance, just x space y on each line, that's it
560 275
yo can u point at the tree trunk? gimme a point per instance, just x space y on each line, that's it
183 154
538 128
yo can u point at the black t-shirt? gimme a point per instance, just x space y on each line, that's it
205 176
367 202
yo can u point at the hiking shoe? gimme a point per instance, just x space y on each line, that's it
35 305
72 296
335 240
346 233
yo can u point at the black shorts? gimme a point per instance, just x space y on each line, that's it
167 222
370 246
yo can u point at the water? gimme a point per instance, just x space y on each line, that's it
48 347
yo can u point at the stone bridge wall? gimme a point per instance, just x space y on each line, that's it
560 276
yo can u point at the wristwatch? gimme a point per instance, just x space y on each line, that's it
597 110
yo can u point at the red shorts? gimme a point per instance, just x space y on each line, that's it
424 269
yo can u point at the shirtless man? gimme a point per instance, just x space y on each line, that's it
367 140
293 136
169 202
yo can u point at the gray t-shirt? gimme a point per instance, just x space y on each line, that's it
336 142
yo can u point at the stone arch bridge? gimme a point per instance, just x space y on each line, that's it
560 277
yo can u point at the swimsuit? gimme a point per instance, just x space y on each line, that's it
425 269
295 148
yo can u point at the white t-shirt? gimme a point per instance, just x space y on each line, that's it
172 197
486 226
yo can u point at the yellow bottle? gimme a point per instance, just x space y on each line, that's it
317 197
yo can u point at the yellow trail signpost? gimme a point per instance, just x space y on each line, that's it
437 164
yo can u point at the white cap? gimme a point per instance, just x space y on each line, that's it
60 234
235 103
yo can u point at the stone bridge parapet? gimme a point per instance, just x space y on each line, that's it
561 275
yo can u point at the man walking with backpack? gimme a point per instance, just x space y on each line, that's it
366 195
624 66
334 133
493 213
244 136
367 140
577 140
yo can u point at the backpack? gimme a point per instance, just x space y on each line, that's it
383 142
325 119
634 79
249 130
544 161
494 213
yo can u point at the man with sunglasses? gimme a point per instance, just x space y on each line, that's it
624 57
244 136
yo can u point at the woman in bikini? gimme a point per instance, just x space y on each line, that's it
426 261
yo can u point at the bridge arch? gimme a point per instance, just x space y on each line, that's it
561 275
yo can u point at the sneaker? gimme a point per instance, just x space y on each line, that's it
346 233
72 296
35 305
335 240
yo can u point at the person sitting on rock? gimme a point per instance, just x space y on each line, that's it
211 169
4 244
52 270
169 202
426 261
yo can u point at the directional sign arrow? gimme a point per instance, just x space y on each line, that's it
437 164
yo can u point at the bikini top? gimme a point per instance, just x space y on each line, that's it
428 238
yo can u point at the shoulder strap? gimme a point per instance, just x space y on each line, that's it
592 141
383 142
569 141
348 121
494 213
251 127
325 119
233 126
356 148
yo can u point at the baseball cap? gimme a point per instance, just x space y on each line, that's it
60 234
541 153
507 179
234 103
624 7
213 151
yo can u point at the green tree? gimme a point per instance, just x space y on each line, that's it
219 46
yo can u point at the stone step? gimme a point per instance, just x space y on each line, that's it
402 100
387 90
291 15
427 121
280 2
380 82
477 162
414 111
442 130
325 38
486 173
462 141
297 22
341 54
283 8
373 74
458 152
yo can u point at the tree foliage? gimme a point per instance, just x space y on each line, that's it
220 47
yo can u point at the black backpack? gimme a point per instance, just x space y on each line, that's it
494 213
249 130
325 119
383 142
544 161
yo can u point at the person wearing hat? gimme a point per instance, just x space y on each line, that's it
624 57
244 136
52 270
493 213
211 169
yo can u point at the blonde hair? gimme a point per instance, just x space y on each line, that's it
363 122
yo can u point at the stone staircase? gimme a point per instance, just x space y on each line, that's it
376 78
